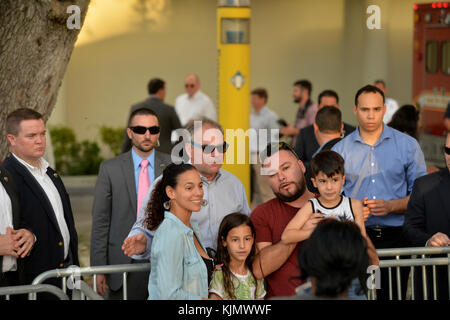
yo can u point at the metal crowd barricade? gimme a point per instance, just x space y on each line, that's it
412 262
33 289
74 274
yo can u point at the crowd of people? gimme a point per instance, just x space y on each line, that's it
321 204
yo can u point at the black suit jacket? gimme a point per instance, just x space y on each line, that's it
306 144
428 210
11 189
168 121
38 214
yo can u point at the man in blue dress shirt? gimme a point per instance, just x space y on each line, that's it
381 165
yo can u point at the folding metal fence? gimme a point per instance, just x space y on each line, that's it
412 258
399 258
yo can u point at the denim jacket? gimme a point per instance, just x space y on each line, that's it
177 269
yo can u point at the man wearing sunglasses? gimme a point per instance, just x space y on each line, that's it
122 184
427 219
223 191
194 104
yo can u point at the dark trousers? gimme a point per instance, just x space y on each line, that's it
441 282
10 279
137 286
390 237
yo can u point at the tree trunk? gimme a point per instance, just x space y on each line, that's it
35 48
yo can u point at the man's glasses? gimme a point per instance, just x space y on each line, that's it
207 148
188 85
447 150
143 130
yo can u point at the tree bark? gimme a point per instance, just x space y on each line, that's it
35 48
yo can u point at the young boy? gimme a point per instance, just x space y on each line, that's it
327 169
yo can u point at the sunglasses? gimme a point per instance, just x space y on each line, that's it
187 85
143 130
447 150
207 148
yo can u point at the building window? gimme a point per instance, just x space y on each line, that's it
431 55
445 57
235 30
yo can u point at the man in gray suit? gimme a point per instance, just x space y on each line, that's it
121 186
166 114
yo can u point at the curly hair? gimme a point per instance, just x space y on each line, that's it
229 222
155 207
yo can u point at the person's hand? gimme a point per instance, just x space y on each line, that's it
377 207
136 244
283 130
289 130
432 169
366 210
25 241
313 221
8 243
439 240
101 284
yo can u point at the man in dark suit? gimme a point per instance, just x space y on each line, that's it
166 114
427 219
306 144
328 128
43 199
15 241
120 190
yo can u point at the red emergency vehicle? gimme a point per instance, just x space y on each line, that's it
431 75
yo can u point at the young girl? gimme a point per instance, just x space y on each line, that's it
233 278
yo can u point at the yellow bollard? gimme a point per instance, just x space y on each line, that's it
233 43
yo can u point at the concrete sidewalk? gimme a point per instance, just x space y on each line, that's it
81 193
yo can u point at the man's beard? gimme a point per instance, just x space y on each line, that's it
298 100
145 149
301 188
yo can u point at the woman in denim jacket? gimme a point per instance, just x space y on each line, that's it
179 262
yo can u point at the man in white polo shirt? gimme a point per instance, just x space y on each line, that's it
194 104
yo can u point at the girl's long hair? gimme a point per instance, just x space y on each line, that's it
155 207
229 222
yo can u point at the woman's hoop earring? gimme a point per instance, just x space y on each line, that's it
204 203
166 205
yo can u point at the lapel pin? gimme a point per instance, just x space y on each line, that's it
55 175
6 179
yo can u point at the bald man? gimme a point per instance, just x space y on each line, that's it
194 104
